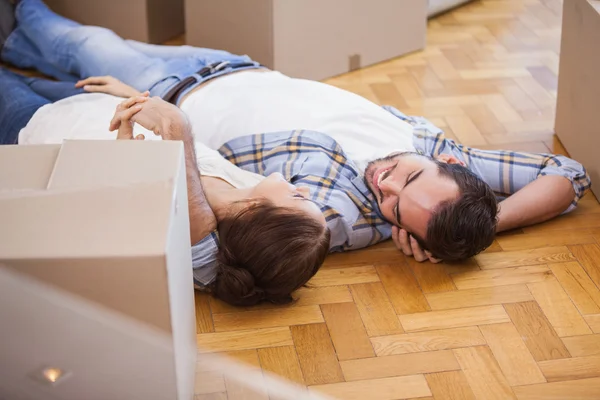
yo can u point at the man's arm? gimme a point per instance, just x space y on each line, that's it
202 218
544 198
170 123
535 187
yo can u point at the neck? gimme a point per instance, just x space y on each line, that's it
221 196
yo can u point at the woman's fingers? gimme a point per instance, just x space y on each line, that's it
124 106
131 101
93 80
125 115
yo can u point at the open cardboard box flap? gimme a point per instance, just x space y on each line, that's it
106 222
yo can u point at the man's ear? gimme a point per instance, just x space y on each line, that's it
448 159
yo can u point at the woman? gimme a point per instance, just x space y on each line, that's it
272 238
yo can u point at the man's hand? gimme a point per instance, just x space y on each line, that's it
410 247
160 117
108 85
125 111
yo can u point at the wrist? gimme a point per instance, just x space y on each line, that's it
174 127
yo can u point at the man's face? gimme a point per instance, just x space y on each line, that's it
409 188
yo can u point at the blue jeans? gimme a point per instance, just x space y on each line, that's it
68 51
21 97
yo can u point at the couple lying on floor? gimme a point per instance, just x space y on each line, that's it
281 171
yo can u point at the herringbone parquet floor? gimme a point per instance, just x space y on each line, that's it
520 321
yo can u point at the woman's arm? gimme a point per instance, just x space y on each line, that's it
108 85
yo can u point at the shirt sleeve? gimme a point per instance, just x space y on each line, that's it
204 259
505 171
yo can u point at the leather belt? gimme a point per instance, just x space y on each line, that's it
173 94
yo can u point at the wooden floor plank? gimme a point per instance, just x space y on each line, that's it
204 321
514 359
588 255
282 361
243 340
479 297
344 276
402 288
238 391
267 318
500 277
593 322
559 309
347 331
483 373
377 389
571 368
454 318
545 239
305 296
451 385
427 341
578 285
581 346
375 309
582 389
511 259
316 354
539 335
432 278
399 365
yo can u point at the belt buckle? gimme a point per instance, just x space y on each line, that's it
219 66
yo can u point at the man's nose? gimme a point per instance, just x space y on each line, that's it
388 186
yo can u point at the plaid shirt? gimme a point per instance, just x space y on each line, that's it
317 161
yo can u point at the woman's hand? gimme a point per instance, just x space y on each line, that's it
410 247
108 85
125 111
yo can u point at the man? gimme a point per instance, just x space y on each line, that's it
437 194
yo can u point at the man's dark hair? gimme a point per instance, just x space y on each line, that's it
462 228
267 252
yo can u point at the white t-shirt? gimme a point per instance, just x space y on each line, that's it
87 116
253 102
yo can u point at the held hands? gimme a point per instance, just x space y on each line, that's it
125 111
410 247
154 114
108 85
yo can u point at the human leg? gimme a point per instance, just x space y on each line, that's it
18 103
185 51
53 90
58 46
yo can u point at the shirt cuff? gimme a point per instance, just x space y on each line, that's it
204 259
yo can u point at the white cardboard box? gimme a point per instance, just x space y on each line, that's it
152 21
104 224
311 39
577 117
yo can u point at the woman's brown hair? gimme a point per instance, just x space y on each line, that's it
267 252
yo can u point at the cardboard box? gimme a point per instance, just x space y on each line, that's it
312 39
151 21
577 117
101 226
